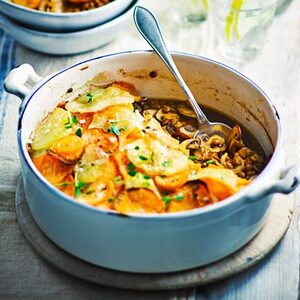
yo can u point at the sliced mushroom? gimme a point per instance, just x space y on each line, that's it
234 140
185 132
193 143
186 111
166 113
149 113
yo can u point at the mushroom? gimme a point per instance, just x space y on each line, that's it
186 111
149 113
185 132
234 140
167 114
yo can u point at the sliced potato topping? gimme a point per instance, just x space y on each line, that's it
218 179
111 153
94 164
154 158
53 128
99 98
68 149
52 168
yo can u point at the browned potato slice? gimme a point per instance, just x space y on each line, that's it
67 186
187 202
68 149
28 3
171 183
107 141
97 193
139 200
52 168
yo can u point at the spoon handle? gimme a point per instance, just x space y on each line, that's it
150 30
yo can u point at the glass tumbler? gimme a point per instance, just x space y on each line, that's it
240 26
188 12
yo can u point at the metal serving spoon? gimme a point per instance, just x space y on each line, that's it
149 28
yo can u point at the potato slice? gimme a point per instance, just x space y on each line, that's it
107 141
154 158
96 193
221 183
52 128
97 99
68 149
187 202
139 201
94 164
52 168
171 183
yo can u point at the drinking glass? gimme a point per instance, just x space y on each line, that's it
188 12
240 26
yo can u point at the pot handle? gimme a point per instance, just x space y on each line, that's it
18 80
287 183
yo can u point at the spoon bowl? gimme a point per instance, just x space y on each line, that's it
149 28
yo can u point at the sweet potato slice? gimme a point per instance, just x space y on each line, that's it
218 188
171 183
96 193
188 200
107 141
67 186
68 149
139 200
52 168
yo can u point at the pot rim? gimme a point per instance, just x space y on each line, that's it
237 197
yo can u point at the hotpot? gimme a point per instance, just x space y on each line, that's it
153 243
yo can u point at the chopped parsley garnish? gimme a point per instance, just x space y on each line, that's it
131 169
136 148
118 179
191 157
68 124
74 120
166 164
78 187
210 162
142 157
152 158
111 199
178 197
113 128
63 184
89 97
78 132
146 176
168 198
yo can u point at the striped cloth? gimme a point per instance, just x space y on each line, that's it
7 62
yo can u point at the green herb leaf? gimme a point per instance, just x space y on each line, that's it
113 128
166 164
166 199
131 169
146 176
89 96
63 184
111 199
74 120
210 162
192 158
178 197
136 148
78 187
68 124
152 158
118 179
78 132
142 157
